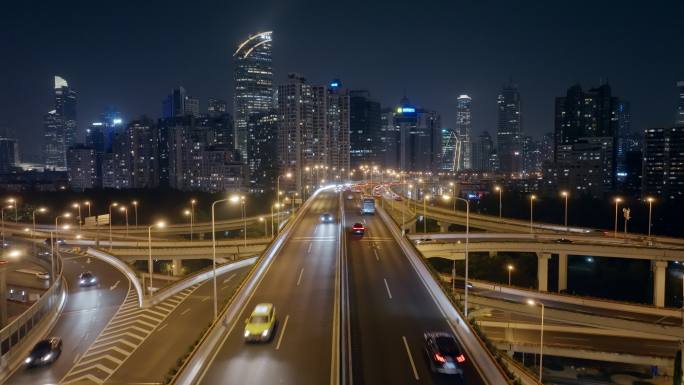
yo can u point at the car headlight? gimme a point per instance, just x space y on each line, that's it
93 280
81 281
28 360
265 333
46 357
246 333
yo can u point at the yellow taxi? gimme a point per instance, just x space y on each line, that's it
261 323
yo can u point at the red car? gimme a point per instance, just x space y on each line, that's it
358 229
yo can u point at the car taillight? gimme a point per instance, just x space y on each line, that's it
439 358
460 359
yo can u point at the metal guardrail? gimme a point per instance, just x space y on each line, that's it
14 334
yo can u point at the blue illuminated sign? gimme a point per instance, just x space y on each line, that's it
408 110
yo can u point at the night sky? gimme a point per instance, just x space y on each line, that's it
130 54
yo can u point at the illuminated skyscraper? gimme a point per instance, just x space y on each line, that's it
60 125
463 129
253 95
509 136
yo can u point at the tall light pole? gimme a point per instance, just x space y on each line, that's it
124 210
150 265
14 202
52 240
650 201
541 342
78 206
193 202
40 210
425 199
113 204
2 219
532 198
288 176
617 203
238 199
510 269
453 268
188 213
87 203
275 205
500 191
135 209
213 247
564 194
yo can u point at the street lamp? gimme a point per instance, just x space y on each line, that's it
541 343
87 203
2 218
40 210
188 213
192 216
150 265
532 198
213 247
510 269
288 176
500 191
617 203
135 209
78 206
453 267
113 204
15 203
124 210
237 199
55 234
564 194
425 199
650 201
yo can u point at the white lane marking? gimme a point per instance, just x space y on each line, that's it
162 327
376 254
205 299
389 293
309 250
229 278
78 355
114 285
185 311
413 364
88 260
282 332
299 280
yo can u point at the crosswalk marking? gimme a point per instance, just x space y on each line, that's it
125 332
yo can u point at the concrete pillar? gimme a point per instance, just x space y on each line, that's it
443 227
659 268
508 335
3 298
543 271
493 254
562 271
177 267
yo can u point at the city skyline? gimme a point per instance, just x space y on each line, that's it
136 89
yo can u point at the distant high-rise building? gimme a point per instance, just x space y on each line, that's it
389 137
9 154
264 149
253 80
365 125
143 147
178 103
509 130
420 138
482 151
451 150
116 163
82 167
532 155
624 135
680 104
313 130
60 125
463 129
586 132
663 164
216 107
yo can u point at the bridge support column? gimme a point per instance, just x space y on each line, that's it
177 267
659 268
508 335
562 272
493 254
543 271
443 227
